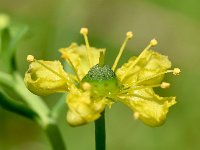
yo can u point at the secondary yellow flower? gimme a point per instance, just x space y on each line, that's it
95 85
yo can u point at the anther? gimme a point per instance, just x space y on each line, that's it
84 31
176 71
165 85
30 58
86 86
153 42
129 34
136 115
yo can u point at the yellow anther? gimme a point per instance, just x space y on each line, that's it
176 71
153 42
84 31
136 115
165 85
86 86
30 58
129 34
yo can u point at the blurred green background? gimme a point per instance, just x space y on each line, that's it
55 24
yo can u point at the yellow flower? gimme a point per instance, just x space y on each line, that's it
95 85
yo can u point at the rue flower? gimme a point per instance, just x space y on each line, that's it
95 85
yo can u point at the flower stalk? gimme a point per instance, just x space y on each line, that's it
55 137
100 133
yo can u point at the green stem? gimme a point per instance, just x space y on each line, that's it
100 133
55 137
35 104
33 101
14 106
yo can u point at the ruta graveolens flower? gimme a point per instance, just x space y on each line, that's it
95 85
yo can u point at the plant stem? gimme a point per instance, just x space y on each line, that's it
55 137
100 133
12 105
36 109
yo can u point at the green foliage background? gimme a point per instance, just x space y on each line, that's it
55 24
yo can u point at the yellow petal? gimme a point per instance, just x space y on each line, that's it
78 57
148 106
150 64
41 81
83 107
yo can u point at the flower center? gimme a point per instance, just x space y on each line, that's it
102 79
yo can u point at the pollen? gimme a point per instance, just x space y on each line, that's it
30 58
154 42
165 85
176 71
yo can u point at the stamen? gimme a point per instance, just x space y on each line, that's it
165 85
136 115
131 88
153 42
72 65
86 86
45 66
129 35
30 58
153 76
174 71
84 32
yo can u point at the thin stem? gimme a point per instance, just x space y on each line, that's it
33 101
120 53
55 137
47 122
100 133
37 108
153 42
53 71
74 68
84 32
12 105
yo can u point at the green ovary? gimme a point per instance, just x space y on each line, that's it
102 79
